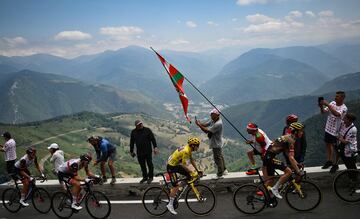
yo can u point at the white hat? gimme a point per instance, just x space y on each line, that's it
53 146
215 111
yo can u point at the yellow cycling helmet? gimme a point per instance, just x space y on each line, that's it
193 141
297 126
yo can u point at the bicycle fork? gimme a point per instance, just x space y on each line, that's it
197 193
297 188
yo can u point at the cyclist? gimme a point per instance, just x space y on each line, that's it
300 143
284 144
181 161
68 172
261 143
21 169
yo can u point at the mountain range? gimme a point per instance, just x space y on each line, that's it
31 96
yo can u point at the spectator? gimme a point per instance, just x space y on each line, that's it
57 157
105 151
336 111
10 152
261 143
300 142
143 137
214 131
348 142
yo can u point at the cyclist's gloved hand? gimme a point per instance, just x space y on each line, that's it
31 178
87 180
43 175
200 173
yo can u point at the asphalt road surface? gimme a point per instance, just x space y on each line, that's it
330 207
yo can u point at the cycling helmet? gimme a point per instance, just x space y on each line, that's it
252 126
30 150
193 141
85 157
291 118
297 126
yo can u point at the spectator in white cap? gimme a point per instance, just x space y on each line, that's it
9 148
57 157
214 131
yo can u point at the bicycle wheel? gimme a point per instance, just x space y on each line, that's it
345 185
41 200
11 199
155 200
61 205
308 198
205 204
249 199
98 205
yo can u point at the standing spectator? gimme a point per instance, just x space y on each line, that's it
300 142
10 152
104 151
348 142
57 157
336 111
143 137
214 131
261 143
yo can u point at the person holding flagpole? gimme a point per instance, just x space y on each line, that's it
214 131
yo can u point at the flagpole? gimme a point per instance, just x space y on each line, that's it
207 99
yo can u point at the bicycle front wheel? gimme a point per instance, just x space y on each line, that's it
98 205
155 200
11 200
202 201
249 199
345 185
41 200
61 205
306 198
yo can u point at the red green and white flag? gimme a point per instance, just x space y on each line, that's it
177 79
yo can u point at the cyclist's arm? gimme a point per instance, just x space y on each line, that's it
292 160
194 164
88 172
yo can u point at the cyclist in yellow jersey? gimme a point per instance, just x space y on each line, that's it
181 161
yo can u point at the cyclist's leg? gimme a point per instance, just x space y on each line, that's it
75 191
277 164
25 181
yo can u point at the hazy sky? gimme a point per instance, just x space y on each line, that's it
70 28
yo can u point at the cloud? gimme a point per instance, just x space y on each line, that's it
265 27
326 13
249 2
295 14
310 13
191 24
259 18
13 42
211 23
121 31
72 35
179 42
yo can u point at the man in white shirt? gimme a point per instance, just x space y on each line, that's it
336 111
10 152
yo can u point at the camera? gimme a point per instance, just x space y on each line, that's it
320 99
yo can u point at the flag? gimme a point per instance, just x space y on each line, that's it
177 79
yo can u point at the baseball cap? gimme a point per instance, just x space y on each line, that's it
215 111
137 122
53 146
252 126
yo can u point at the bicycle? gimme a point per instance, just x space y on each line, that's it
39 197
347 185
97 203
199 198
253 198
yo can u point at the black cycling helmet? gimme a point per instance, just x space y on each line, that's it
85 157
30 150
297 126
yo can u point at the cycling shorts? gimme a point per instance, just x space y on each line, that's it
172 170
271 163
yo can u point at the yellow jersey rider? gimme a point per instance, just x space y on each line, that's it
181 161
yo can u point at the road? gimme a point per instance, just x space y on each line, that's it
331 207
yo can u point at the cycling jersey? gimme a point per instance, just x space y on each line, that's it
24 162
282 144
261 141
66 167
180 155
